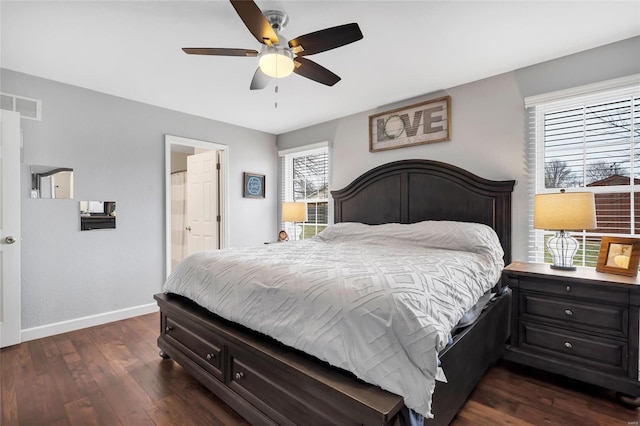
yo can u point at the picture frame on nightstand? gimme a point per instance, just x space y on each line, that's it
619 255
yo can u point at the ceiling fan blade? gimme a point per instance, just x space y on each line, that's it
219 51
255 21
326 39
315 72
260 80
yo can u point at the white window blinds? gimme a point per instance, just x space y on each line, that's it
589 141
305 178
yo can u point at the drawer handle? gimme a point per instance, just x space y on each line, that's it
569 312
168 328
210 357
568 288
568 345
239 375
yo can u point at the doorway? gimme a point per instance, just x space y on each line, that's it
195 197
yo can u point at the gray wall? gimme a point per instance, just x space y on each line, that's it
116 148
487 125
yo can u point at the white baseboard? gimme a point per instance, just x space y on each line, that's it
84 322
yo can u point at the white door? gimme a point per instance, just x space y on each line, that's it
9 228
202 202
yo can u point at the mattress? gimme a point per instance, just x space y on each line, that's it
379 301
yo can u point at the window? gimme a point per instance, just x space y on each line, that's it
588 139
305 178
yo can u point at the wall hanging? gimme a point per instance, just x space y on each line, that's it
253 186
416 124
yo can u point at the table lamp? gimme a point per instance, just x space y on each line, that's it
561 212
293 212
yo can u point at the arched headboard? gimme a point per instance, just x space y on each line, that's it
409 191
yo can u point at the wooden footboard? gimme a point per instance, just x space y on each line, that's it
269 383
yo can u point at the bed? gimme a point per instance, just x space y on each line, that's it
270 383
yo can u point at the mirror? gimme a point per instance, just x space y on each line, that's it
97 215
51 182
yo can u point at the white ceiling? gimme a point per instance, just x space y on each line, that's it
410 48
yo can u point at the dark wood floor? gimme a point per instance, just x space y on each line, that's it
112 375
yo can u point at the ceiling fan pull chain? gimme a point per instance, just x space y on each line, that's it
276 89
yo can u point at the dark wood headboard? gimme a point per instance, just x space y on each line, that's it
409 191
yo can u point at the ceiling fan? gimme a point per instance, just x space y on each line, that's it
279 58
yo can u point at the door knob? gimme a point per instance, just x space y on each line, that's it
188 228
10 240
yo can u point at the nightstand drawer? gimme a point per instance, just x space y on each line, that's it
575 290
605 354
601 318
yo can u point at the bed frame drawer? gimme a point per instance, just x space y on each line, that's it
207 347
261 391
279 391
250 384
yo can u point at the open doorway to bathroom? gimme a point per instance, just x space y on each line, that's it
195 194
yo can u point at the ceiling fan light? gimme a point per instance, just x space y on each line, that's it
275 62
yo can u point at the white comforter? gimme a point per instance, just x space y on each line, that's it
378 301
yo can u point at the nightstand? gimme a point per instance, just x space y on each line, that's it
581 324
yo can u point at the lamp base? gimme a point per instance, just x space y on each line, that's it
563 268
562 248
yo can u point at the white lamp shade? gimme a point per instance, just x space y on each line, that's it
564 211
294 212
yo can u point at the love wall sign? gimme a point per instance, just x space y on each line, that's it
417 124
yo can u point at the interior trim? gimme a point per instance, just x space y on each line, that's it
303 148
84 322
588 89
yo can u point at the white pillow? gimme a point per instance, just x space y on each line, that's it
450 235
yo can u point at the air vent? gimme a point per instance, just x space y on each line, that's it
27 107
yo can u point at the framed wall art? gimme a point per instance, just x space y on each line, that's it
253 186
417 124
619 256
